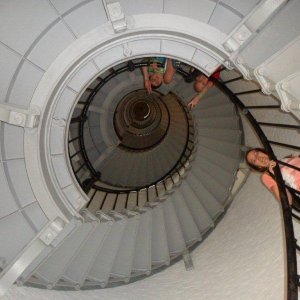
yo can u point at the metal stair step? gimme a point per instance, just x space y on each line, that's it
219 191
227 135
219 122
225 148
103 263
206 198
224 110
142 253
228 163
81 264
159 245
213 101
122 265
175 237
59 260
188 226
220 174
199 213
27 274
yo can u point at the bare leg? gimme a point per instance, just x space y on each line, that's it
170 71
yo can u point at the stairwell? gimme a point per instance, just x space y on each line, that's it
60 244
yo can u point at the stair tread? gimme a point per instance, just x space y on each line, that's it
103 263
196 191
214 170
123 261
219 122
189 228
175 237
142 254
84 259
159 246
224 161
55 265
227 135
219 191
226 148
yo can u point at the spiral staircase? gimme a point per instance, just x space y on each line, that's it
174 190
101 183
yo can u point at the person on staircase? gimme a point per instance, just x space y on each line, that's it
201 85
259 160
160 70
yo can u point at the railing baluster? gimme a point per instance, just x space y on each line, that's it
288 165
76 120
248 92
103 201
126 202
80 167
74 139
234 79
295 216
115 203
77 152
91 199
284 145
279 125
262 106
164 184
297 246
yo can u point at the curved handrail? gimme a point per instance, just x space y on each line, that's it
290 241
291 246
180 163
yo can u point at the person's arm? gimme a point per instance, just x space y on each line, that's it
196 99
275 191
170 71
272 186
147 83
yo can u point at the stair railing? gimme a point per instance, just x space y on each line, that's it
287 211
146 193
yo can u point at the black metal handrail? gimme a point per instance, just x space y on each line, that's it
83 117
288 165
288 215
94 175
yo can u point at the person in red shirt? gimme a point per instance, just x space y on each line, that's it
201 85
